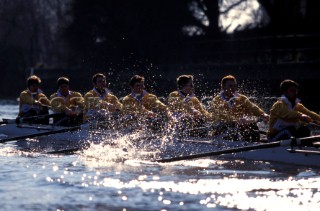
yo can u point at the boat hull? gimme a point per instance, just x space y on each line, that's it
163 146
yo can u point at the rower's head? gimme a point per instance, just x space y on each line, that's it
63 84
33 83
289 88
229 85
136 84
185 84
99 81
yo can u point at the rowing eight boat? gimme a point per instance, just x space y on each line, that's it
44 137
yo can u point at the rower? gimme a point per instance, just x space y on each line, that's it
235 113
100 103
142 104
188 112
288 117
68 104
33 102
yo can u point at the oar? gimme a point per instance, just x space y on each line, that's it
40 134
3 122
307 141
19 120
66 151
314 123
8 121
71 151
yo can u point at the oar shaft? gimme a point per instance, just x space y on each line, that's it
306 141
22 119
221 152
8 121
39 134
65 151
19 120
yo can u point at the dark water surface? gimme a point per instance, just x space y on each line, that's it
103 179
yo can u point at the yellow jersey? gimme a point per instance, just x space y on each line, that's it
233 109
73 100
27 100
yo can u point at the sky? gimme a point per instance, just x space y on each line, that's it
247 12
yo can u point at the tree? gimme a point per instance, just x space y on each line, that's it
29 34
119 29
295 16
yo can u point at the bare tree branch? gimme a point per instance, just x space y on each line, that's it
232 6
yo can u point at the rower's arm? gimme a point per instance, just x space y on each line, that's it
304 110
198 106
175 103
131 106
253 109
115 102
220 111
281 111
25 98
77 100
58 105
44 100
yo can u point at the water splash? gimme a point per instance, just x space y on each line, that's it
118 149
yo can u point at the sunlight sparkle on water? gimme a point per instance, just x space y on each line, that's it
55 168
233 193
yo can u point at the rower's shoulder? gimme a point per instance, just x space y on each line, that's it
111 95
24 92
242 97
279 103
217 99
127 97
89 93
174 94
75 94
150 95
54 95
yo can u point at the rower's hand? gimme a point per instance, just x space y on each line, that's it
109 106
265 118
316 122
151 114
305 118
244 121
70 112
169 115
112 108
196 113
38 103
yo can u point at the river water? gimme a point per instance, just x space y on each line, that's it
100 179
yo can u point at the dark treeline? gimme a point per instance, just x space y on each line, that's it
157 38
